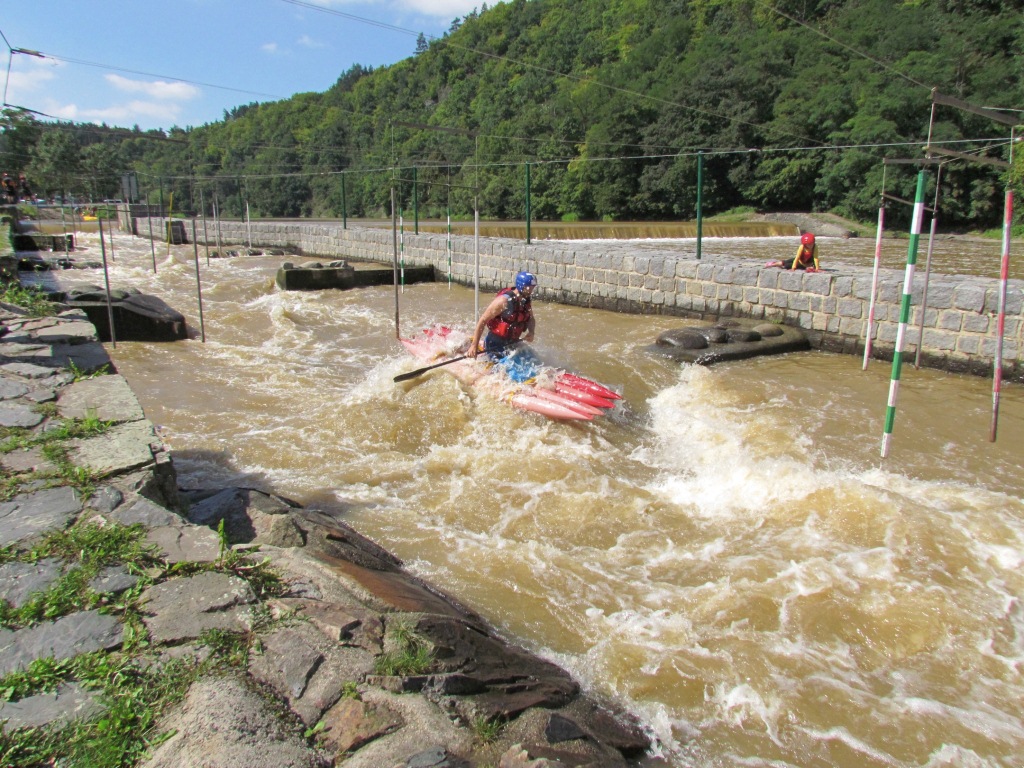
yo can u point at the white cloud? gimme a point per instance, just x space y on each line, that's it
29 74
308 42
269 48
445 9
156 89
132 112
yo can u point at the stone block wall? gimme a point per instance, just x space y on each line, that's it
960 320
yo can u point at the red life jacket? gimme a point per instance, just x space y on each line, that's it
513 320
806 255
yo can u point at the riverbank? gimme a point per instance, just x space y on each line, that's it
227 625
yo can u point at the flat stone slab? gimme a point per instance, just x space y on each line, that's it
32 514
67 703
182 609
307 670
18 415
26 460
10 390
113 580
222 722
68 333
109 397
65 638
123 448
145 512
20 581
87 357
25 370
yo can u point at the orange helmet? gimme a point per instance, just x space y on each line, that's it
807 238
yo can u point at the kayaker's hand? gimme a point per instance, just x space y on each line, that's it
528 337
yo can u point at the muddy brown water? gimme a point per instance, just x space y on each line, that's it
726 554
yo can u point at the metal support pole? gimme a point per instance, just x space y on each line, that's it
527 203
928 268
206 237
152 242
199 284
415 203
394 248
700 200
106 281
344 205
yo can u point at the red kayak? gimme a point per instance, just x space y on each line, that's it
552 393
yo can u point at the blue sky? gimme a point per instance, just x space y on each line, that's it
158 64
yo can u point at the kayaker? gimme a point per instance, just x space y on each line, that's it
506 319
806 256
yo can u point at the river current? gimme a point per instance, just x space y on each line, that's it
726 554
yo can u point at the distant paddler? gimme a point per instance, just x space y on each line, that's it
506 319
806 256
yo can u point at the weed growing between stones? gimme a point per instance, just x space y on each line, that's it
136 685
81 375
406 652
52 444
134 693
487 729
29 297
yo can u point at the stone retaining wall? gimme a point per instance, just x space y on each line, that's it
832 307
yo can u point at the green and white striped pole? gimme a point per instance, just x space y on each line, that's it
908 284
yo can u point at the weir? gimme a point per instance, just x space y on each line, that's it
831 307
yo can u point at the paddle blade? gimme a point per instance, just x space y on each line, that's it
421 371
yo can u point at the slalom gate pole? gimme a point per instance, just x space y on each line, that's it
206 237
168 223
448 248
528 204
700 201
870 330
152 242
199 285
928 268
476 260
216 223
394 248
112 259
908 284
106 282
344 205
1004 270
401 245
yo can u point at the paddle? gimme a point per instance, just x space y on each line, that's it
421 371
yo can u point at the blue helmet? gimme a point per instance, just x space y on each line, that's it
525 279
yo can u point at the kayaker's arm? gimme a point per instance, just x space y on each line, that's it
494 309
531 326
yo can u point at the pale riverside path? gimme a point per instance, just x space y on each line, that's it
727 555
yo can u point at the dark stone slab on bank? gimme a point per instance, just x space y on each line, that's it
137 316
38 242
340 275
707 343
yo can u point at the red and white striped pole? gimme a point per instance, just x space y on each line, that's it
1004 270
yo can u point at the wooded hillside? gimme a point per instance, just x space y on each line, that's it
792 105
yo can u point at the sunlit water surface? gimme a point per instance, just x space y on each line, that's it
726 554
